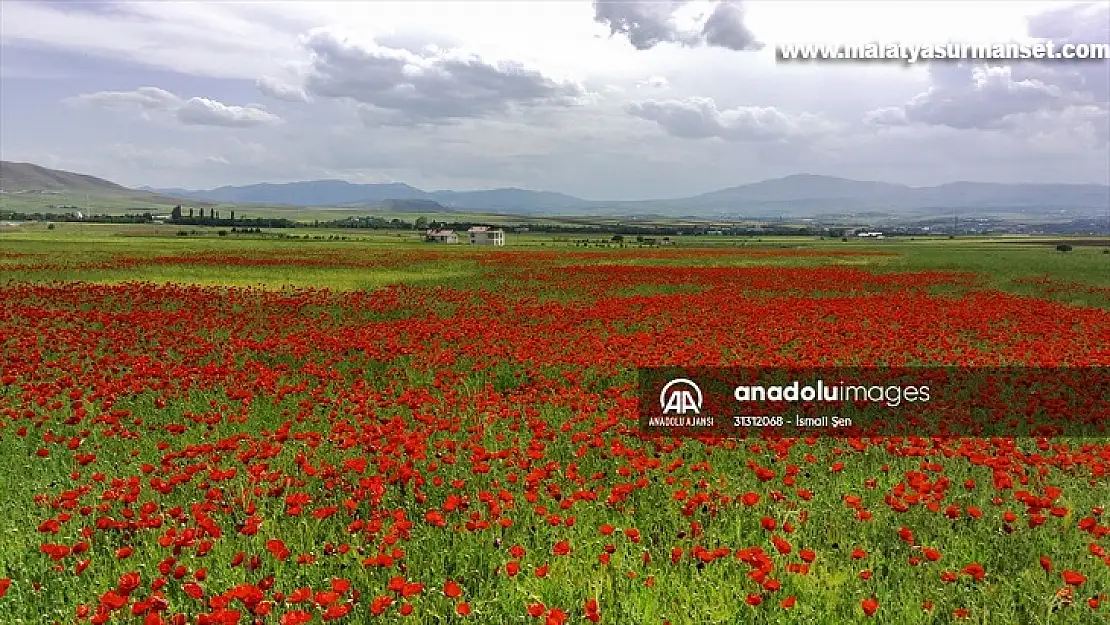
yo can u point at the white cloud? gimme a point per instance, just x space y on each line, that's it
431 85
279 90
148 98
1009 96
699 118
205 112
212 39
537 93
193 112
649 23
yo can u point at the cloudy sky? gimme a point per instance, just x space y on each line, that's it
599 99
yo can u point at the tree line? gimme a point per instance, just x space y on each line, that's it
217 218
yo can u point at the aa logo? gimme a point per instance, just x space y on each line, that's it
680 396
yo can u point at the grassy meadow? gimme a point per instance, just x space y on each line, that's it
74 251
239 429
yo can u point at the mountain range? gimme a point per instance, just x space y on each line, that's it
21 177
346 194
797 196
801 195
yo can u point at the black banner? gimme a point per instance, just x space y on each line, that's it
895 401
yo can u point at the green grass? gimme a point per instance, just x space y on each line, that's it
1078 277
830 594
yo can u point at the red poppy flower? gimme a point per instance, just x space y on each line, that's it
296 617
1073 578
592 611
380 604
193 590
975 570
869 605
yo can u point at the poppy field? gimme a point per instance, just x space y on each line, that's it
335 433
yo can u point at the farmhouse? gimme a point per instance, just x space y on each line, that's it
437 235
481 235
872 235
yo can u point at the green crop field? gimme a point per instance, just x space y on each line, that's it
1019 264
355 426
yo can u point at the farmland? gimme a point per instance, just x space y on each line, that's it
237 430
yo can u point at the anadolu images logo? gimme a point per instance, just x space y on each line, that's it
680 396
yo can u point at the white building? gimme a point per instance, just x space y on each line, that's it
437 235
481 235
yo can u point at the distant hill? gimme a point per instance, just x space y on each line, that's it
797 196
311 193
988 195
800 187
341 193
511 200
801 195
413 206
16 177
806 195
31 177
